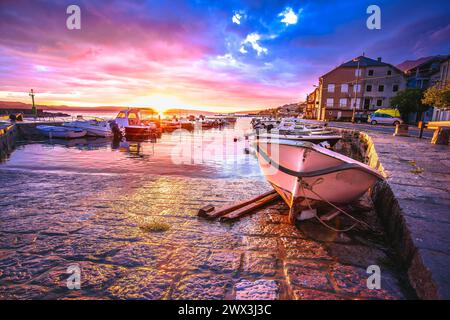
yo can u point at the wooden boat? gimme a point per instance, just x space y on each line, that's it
61 132
300 170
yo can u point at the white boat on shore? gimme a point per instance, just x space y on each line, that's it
94 127
61 132
302 170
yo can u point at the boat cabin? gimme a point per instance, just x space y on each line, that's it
129 117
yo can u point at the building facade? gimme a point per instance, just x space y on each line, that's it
312 100
422 74
444 79
362 85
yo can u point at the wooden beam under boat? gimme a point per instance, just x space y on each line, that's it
210 212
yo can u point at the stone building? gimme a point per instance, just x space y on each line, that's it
312 101
362 84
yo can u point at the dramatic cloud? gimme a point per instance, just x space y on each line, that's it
216 55
288 16
253 39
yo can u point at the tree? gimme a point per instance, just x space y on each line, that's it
438 97
409 100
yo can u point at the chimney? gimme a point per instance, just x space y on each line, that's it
379 59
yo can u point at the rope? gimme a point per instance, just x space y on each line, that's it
303 185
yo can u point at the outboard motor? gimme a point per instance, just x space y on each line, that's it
117 134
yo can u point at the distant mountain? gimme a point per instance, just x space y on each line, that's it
21 105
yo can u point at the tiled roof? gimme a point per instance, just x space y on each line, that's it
411 64
363 62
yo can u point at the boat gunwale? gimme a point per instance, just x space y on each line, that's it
353 164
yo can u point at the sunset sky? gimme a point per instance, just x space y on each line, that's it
199 54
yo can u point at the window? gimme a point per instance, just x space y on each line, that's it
343 102
370 73
380 88
395 88
121 115
369 88
357 88
379 102
358 73
389 72
330 102
344 87
331 87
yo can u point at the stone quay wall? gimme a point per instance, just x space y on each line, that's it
8 135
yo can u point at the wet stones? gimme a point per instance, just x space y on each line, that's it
257 290
142 284
202 287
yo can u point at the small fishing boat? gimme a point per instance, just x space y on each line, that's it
300 170
61 132
129 120
94 127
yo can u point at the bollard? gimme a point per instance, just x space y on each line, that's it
401 130
421 126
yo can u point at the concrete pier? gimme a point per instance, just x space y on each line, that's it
8 134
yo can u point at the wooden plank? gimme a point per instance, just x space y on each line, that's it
436 124
250 207
229 208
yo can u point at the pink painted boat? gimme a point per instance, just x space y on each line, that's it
300 170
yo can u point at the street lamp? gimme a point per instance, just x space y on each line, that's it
354 89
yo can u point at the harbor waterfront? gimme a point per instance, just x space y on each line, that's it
87 204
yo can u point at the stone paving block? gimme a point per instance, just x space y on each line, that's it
186 258
142 284
202 287
299 248
224 261
301 277
141 254
257 290
260 263
260 243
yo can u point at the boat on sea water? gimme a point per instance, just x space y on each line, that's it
300 170
61 132
328 139
130 122
94 127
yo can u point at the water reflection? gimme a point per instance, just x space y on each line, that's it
214 153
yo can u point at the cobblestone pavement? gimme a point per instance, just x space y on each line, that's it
50 220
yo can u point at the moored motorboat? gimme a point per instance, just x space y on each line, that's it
300 170
130 121
93 127
61 132
314 138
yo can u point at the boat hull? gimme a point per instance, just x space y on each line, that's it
139 132
61 132
310 172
